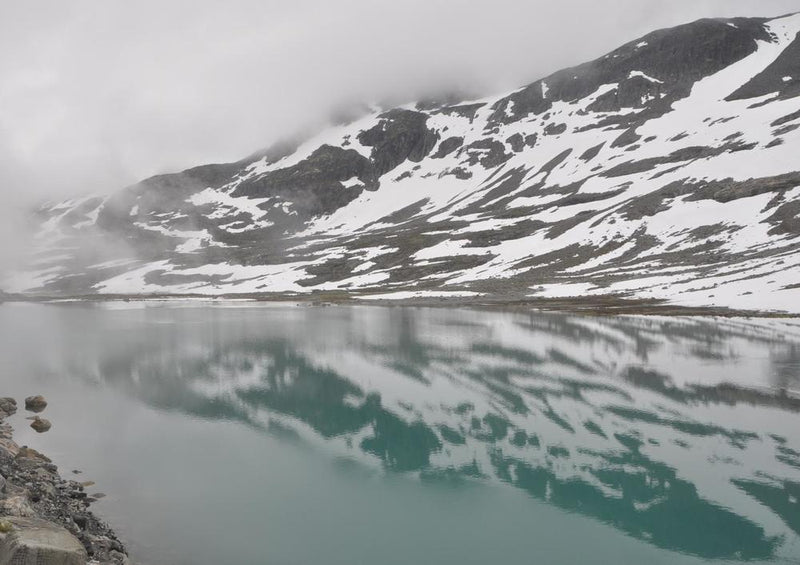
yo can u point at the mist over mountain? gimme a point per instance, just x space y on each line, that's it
97 95
664 169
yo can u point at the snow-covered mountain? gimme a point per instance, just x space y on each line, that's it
668 169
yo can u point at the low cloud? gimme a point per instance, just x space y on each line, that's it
95 95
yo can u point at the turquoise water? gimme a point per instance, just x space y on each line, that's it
297 435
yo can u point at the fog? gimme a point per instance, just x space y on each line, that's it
97 94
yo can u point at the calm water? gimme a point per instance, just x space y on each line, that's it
366 435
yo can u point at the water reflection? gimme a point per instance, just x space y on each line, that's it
684 433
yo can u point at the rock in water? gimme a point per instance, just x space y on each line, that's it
41 425
32 541
35 403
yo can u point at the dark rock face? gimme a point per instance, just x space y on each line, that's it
488 152
633 92
555 161
786 219
686 154
628 137
167 194
314 184
555 129
728 189
720 191
400 135
447 146
773 78
162 193
517 142
678 57
592 152
786 119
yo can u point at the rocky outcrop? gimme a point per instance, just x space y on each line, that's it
400 135
782 76
675 58
46 519
314 185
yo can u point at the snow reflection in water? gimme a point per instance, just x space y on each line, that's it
681 432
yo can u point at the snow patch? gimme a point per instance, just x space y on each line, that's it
633 74
351 182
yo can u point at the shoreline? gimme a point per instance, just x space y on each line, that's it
591 305
45 515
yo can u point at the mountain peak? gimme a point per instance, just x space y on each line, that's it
663 170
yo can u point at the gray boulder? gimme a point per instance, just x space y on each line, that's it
8 406
35 403
33 541
40 424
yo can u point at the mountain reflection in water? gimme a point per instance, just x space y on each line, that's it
681 432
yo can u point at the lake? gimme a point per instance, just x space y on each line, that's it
288 434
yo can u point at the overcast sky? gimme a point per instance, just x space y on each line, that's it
97 94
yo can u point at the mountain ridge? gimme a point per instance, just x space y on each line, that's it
664 169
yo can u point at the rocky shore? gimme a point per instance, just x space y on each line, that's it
605 305
44 518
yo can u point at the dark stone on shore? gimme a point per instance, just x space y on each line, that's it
27 453
41 425
35 403
81 520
